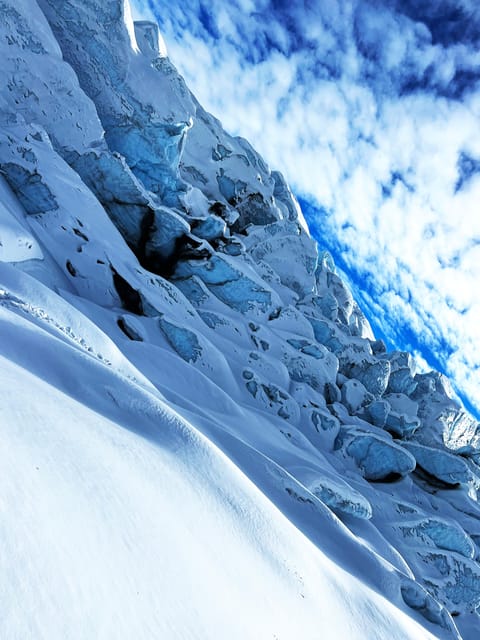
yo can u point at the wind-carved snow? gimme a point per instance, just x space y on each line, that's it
206 412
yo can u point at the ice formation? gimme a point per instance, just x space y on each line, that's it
157 277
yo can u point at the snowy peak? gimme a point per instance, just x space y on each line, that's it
157 274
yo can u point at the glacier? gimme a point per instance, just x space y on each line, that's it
202 437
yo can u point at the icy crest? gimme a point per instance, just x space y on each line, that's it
122 198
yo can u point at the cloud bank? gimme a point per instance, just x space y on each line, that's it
371 108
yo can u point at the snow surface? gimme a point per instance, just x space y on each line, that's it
201 437
128 523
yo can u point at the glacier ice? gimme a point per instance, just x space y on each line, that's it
341 498
377 458
441 465
439 533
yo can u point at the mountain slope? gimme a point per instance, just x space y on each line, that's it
127 523
202 438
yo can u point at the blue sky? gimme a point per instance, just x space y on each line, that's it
371 109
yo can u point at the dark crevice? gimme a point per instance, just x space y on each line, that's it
390 477
70 268
79 233
184 248
132 335
395 435
218 209
146 230
130 297
162 264
432 480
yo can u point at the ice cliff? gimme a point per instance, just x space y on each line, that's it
159 251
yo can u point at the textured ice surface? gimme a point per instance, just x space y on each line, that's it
184 341
236 288
341 498
377 458
439 533
443 420
355 396
272 242
443 466
377 412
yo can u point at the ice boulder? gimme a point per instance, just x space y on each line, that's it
303 367
444 422
64 215
233 329
274 242
439 465
154 232
329 283
402 420
402 373
453 579
286 201
131 327
328 305
230 173
38 86
184 341
422 601
310 348
252 208
327 333
402 403
461 432
17 243
437 532
377 411
373 374
401 425
378 458
238 288
210 228
358 324
355 396
28 185
290 319
268 367
341 497
335 299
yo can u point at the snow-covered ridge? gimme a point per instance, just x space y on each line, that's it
159 288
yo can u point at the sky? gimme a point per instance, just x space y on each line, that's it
371 109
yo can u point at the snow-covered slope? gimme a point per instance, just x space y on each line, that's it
201 437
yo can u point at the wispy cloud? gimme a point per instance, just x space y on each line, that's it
371 110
